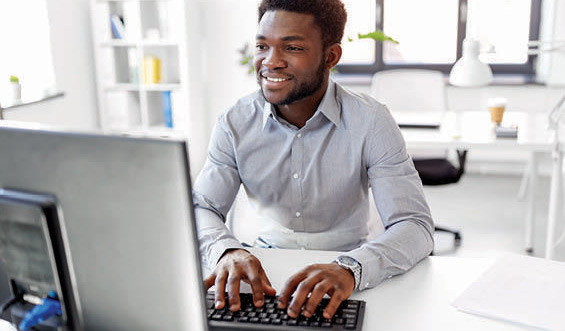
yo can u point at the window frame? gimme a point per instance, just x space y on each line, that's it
527 68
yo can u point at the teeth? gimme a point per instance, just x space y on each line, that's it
275 79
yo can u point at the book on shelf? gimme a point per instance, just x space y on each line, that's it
167 109
118 28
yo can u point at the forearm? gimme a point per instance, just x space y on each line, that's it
394 252
213 235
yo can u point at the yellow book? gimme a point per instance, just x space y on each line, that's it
151 70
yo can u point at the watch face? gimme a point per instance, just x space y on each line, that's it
348 261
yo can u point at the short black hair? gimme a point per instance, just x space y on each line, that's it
329 15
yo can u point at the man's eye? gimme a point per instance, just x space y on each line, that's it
260 47
294 48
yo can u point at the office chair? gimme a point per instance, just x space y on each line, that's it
421 90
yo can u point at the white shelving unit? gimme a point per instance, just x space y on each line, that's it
128 98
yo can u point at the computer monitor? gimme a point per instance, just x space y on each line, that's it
126 204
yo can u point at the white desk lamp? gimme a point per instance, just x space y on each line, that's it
469 71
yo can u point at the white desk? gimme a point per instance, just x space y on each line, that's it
417 300
473 130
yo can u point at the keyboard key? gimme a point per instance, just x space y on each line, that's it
326 325
276 321
243 319
254 320
292 322
227 318
352 305
349 311
265 321
349 326
339 321
351 321
217 317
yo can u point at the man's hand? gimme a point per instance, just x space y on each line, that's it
317 280
234 266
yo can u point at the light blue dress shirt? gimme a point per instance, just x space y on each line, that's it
310 186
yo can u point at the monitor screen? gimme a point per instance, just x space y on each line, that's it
127 208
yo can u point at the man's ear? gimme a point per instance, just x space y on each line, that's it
333 55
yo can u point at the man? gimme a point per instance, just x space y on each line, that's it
306 151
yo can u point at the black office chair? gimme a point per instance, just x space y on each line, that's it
440 171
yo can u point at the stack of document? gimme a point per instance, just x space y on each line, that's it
506 131
520 289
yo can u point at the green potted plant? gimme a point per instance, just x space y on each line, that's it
15 89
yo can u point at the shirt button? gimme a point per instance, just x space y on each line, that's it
298 214
295 176
299 135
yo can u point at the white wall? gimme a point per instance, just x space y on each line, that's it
73 60
216 30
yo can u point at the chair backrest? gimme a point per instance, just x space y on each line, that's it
410 90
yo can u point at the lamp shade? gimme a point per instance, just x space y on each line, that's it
469 71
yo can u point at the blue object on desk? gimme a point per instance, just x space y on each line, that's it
167 109
49 308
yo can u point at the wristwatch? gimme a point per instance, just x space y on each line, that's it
352 265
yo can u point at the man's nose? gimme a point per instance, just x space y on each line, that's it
274 59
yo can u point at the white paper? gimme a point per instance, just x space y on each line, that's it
519 289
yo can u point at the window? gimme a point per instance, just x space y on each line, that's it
26 49
431 33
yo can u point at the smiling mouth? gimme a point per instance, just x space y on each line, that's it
275 79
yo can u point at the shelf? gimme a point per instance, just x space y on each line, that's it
118 43
152 46
125 43
146 87
25 102
103 1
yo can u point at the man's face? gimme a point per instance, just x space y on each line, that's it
289 57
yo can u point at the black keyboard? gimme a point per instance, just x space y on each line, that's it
349 316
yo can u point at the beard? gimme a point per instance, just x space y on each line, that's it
304 89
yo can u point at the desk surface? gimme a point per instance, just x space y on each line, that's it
417 300
473 129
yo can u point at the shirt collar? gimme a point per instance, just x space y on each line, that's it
328 106
267 112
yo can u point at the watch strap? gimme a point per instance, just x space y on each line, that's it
352 265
